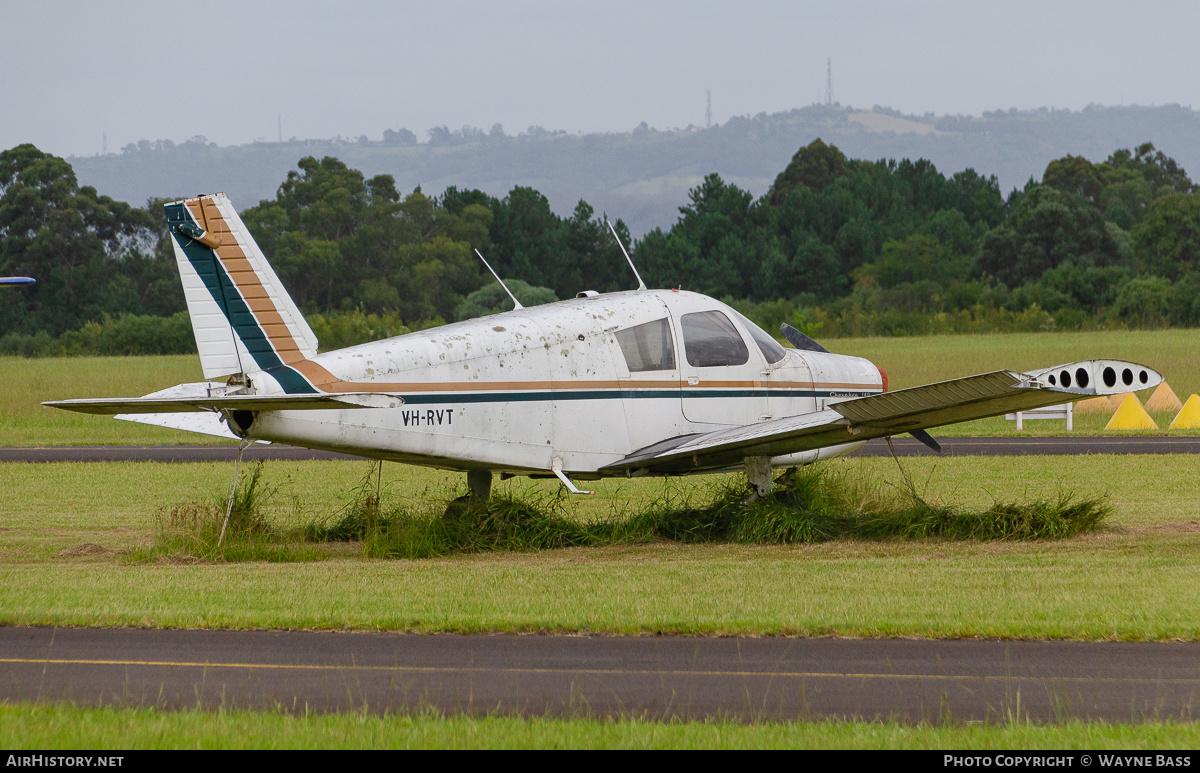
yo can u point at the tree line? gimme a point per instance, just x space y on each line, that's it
839 245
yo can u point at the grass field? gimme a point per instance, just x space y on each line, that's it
1138 580
45 727
25 384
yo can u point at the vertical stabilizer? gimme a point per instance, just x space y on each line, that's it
242 317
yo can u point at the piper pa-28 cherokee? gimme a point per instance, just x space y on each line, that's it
647 382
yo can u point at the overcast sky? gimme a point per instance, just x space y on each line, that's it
73 71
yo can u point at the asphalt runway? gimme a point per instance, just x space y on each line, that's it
905 446
591 676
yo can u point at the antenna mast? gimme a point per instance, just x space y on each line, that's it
708 111
641 284
829 81
516 303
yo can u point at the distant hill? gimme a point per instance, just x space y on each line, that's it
644 176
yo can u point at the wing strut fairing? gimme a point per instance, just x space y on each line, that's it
890 413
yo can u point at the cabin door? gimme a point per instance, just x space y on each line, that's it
722 377
646 361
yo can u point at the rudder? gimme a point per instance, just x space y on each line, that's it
242 316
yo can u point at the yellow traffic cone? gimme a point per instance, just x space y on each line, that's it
1163 399
1131 415
1116 400
1189 417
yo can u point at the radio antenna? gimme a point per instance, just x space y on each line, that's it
517 304
641 284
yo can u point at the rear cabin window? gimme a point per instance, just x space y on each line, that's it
711 340
766 344
647 347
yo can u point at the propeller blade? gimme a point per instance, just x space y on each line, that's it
927 439
799 340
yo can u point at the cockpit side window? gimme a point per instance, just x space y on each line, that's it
766 344
647 347
711 340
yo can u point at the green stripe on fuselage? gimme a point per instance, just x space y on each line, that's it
614 394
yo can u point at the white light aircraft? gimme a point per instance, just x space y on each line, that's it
646 382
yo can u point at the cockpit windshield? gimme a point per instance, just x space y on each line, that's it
768 345
711 340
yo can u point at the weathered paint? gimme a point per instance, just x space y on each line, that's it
550 381
513 392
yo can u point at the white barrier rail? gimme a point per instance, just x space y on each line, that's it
1064 411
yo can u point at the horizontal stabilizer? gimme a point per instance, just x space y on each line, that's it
202 423
206 396
892 413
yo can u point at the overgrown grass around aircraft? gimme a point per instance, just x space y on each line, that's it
812 505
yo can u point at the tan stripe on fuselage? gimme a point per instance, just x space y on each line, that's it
326 381
323 379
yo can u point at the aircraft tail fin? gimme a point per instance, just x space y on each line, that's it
242 316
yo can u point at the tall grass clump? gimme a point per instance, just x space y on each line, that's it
463 525
360 520
810 505
191 532
507 522
817 504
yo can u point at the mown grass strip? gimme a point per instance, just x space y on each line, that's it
67 727
1106 587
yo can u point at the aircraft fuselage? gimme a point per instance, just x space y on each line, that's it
573 385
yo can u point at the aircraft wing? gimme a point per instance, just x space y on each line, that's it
204 396
891 413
